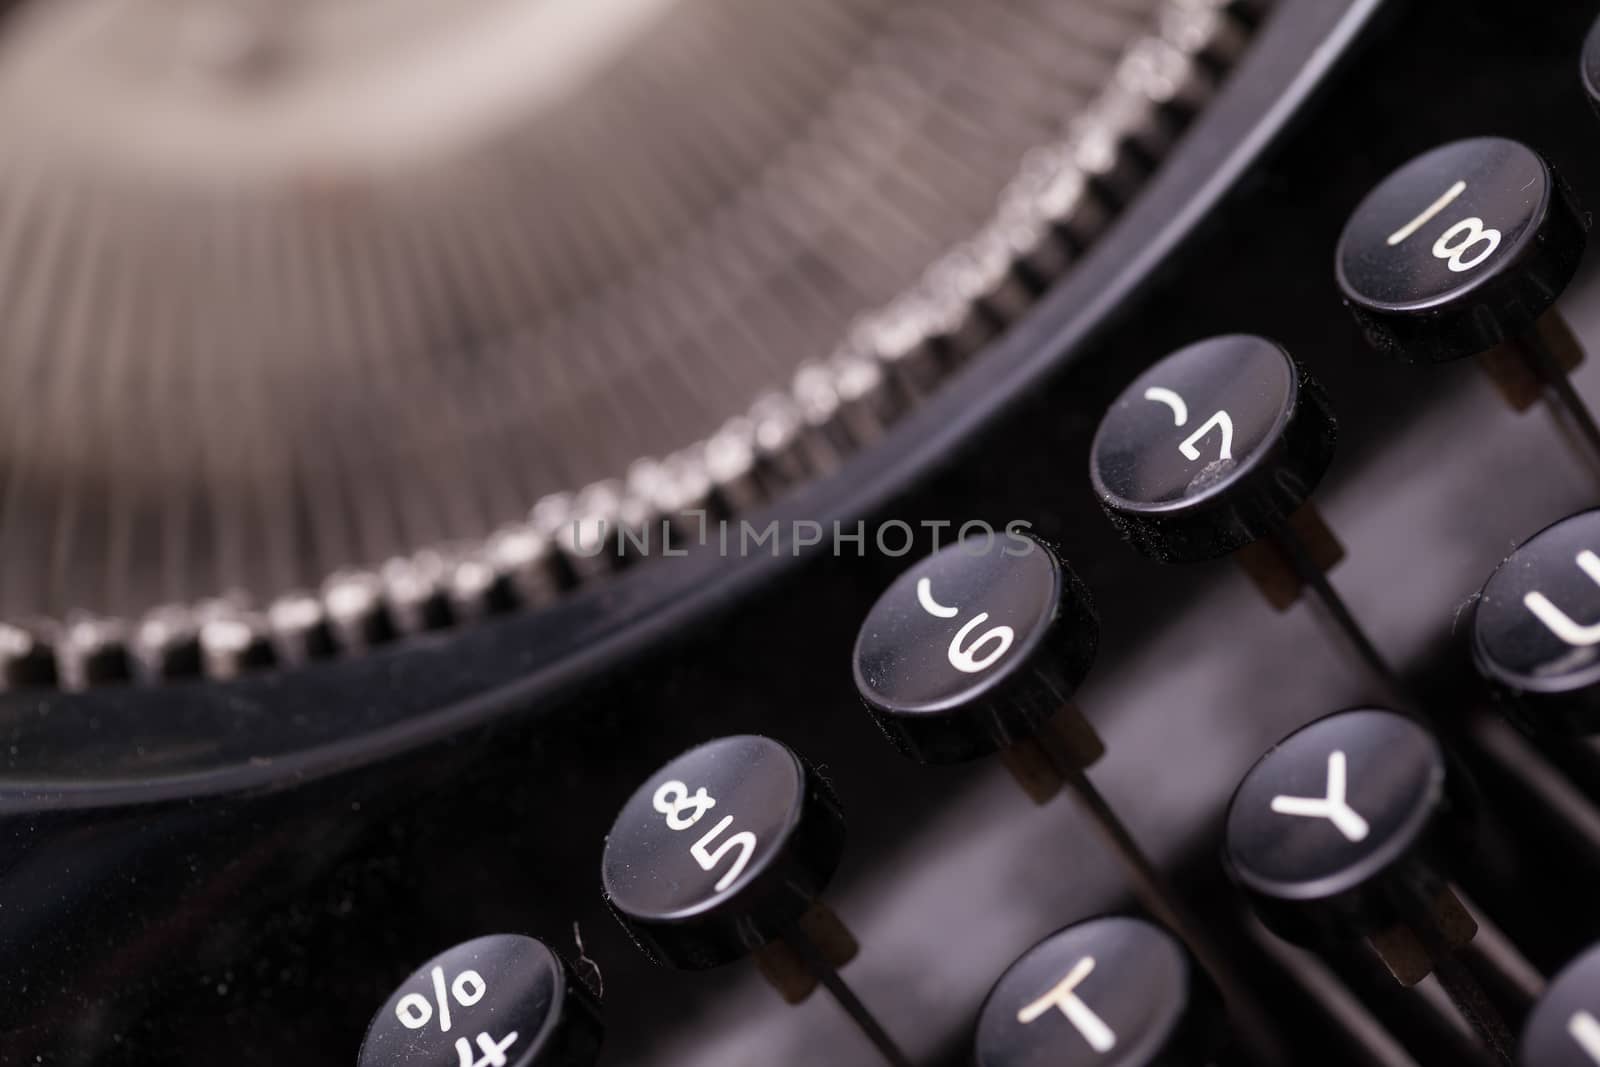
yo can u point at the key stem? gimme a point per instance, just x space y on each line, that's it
828 975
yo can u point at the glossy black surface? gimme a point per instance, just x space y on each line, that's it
1153 1004
126 745
1191 425
974 646
510 1001
720 849
1392 799
1211 448
1565 1018
1459 249
1536 627
311 909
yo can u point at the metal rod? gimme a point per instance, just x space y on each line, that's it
1545 364
1546 783
1162 901
1494 952
1149 884
1300 559
1475 1006
1337 1000
828 975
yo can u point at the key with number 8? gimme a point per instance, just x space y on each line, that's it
1463 251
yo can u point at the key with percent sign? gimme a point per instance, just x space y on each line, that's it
498 1001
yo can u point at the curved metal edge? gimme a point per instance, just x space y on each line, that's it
75 753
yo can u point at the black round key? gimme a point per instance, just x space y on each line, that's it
1110 992
978 649
1212 448
498 1001
975 647
1341 828
1563 1030
1536 628
721 850
1460 249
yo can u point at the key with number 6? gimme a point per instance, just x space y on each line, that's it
977 650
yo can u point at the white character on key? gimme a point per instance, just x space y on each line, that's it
494 1052
1331 807
1558 621
1585 1030
930 605
965 658
1079 1014
1180 414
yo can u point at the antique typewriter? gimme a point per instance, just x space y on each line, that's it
734 533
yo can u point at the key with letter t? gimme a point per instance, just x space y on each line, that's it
1090 1025
1111 992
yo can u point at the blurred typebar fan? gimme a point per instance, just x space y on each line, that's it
318 319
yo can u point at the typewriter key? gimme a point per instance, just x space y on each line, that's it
1110 992
1328 823
724 853
1215 450
1536 628
1340 835
1563 1030
978 649
498 1001
1463 251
